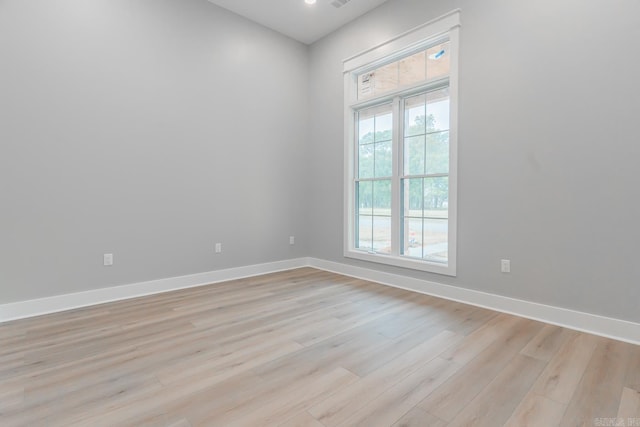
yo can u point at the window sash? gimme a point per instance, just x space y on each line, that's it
398 179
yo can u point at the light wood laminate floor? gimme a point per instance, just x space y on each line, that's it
307 348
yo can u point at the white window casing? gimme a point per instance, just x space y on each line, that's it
443 29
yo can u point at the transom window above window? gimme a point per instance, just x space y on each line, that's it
427 64
401 145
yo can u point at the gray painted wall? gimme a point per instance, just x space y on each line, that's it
548 147
151 129
125 127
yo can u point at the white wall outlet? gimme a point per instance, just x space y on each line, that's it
505 266
108 260
218 248
292 240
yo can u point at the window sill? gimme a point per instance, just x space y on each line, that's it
431 267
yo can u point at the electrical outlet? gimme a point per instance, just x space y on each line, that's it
108 260
505 266
292 240
218 248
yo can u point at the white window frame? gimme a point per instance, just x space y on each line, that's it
446 27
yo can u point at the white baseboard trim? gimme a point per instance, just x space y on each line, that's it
617 329
41 306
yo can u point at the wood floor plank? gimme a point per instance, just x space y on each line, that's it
447 401
56 410
278 390
495 403
388 352
226 366
395 402
12 365
303 419
632 377
629 408
563 373
415 335
306 348
341 405
281 408
537 411
480 339
195 399
11 395
419 418
159 421
330 327
598 394
545 345
468 321
341 350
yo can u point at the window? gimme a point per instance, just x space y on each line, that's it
401 149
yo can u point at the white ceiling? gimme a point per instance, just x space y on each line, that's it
294 18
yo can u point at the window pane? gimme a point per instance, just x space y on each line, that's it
414 155
382 234
436 197
365 127
412 69
385 78
438 110
365 86
425 223
364 194
375 124
414 116
382 197
375 129
383 159
364 240
365 160
413 197
412 237
384 126
438 60
435 240
437 153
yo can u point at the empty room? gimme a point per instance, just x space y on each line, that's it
319 213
